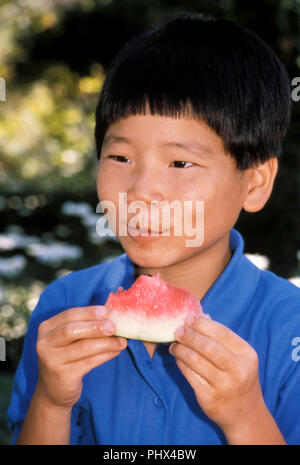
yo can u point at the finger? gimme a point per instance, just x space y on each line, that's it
70 332
87 348
197 363
195 380
93 312
220 333
210 349
85 365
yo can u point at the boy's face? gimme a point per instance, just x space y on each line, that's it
156 158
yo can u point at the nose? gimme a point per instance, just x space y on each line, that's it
144 193
146 185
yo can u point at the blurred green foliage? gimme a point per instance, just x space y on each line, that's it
53 57
46 139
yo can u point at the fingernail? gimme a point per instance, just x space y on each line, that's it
123 343
101 312
190 320
179 332
108 326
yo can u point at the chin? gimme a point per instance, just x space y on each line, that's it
147 258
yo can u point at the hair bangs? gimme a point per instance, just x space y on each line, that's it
158 83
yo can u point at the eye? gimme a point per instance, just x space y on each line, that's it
181 162
118 157
124 159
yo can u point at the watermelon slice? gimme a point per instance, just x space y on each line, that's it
151 310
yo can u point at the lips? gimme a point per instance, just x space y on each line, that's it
145 231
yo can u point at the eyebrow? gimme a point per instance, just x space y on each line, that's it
193 146
115 138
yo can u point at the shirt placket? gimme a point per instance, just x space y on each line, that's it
155 403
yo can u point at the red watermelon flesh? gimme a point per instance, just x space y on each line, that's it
151 310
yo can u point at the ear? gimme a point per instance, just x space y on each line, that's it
260 184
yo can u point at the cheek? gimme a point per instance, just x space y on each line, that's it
223 198
101 187
105 183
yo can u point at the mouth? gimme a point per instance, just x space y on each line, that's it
145 232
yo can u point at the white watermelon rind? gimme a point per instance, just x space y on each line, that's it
149 329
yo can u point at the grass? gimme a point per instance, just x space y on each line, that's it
6 385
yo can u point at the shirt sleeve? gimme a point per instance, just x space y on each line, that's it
51 302
25 377
284 366
288 409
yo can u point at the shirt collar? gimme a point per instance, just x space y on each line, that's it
227 299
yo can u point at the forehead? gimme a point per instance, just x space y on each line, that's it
184 132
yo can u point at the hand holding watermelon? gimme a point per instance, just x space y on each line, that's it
222 368
69 345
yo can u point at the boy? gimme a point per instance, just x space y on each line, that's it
192 109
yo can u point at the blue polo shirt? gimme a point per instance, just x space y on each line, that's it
133 399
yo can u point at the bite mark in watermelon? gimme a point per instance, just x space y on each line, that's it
151 310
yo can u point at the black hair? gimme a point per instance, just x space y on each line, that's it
225 74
